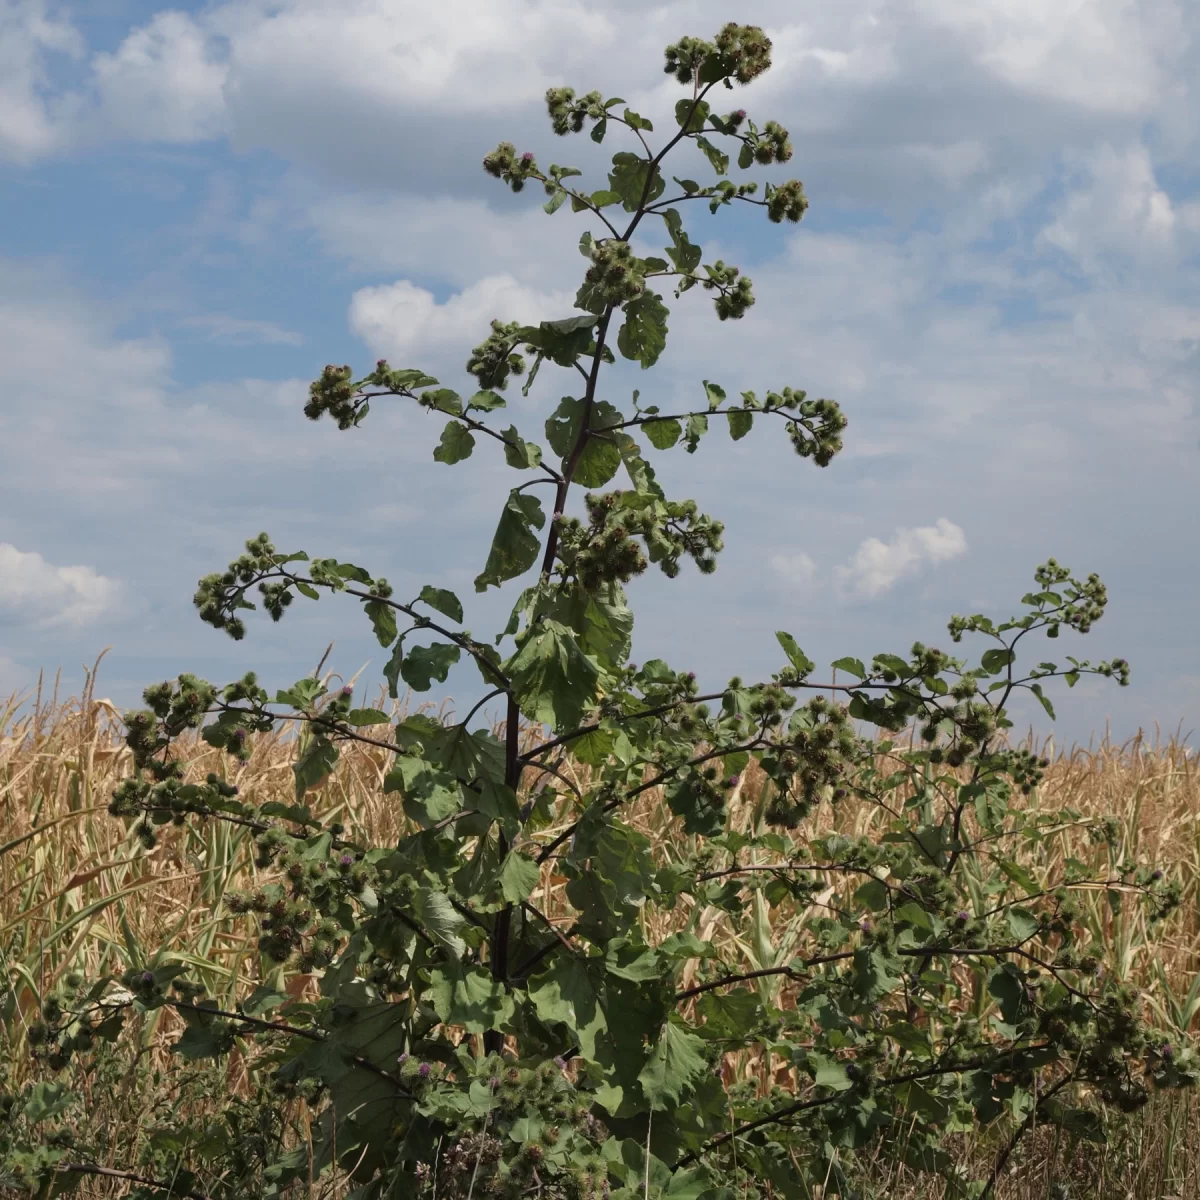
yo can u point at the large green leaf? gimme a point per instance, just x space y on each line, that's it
683 253
803 664
456 444
628 179
718 158
440 600
423 664
518 452
674 1067
741 421
517 877
561 341
553 679
565 994
47 1099
383 620
563 425
643 336
313 765
430 795
466 754
441 919
515 545
599 462
601 620
691 114
469 997
663 434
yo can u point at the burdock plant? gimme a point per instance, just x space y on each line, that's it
467 1041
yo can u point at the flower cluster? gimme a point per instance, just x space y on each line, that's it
820 747
615 275
219 594
568 113
495 358
741 52
772 145
786 201
334 393
297 925
505 163
735 291
817 431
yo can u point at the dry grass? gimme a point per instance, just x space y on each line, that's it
77 893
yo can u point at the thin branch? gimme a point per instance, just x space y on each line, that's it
729 980
129 1177
283 1027
490 696
791 1110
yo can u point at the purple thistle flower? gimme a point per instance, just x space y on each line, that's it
347 691
527 157
147 978
963 916
560 1063
423 1070
403 1058
347 860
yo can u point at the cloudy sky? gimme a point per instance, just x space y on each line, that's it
998 278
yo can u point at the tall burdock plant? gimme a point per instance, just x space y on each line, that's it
467 1043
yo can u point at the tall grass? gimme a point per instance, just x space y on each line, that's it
78 894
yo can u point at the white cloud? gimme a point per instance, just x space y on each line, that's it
796 570
1101 54
241 331
28 36
876 566
404 322
350 87
33 591
445 237
163 83
1116 208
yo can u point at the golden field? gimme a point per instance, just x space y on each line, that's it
77 893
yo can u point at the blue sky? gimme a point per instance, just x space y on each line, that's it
998 278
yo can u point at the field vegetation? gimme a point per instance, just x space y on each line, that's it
79 895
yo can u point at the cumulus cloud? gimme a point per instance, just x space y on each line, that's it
165 82
30 39
877 566
956 92
796 570
33 591
402 321
1115 207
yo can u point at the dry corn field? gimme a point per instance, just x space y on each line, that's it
77 893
